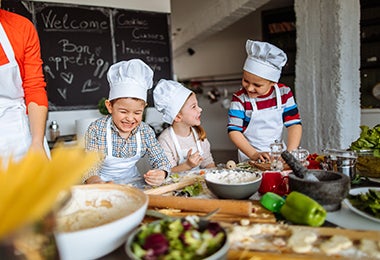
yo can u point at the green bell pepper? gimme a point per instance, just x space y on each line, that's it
301 209
272 201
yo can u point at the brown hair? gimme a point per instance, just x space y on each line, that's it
114 100
201 132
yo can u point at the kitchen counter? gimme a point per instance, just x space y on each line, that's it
343 218
346 218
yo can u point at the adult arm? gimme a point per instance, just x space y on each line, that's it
37 121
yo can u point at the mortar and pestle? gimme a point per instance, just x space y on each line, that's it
328 188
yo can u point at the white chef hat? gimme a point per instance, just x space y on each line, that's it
264 60
130 78
169 97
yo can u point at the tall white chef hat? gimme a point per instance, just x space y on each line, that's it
130 78
169 97
264 60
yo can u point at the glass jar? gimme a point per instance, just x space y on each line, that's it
54 131
367 164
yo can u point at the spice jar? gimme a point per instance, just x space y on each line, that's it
53 130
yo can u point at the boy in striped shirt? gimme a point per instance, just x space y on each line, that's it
262 107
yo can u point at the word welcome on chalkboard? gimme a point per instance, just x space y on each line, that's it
80 43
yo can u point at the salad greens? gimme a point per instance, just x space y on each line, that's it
188 191
186 238
368 202
193 190
369 139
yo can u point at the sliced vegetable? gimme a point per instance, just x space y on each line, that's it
368 202
301 209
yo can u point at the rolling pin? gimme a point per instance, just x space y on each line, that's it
233 207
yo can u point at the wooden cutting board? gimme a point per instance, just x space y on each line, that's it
230 212
266 166
283 251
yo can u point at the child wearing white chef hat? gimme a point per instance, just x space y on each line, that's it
122 136
262 107
184 142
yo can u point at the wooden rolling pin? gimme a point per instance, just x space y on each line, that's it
187 181
233 207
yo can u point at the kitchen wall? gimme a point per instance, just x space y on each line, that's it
208 62
210 56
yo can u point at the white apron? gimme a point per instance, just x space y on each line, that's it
265 127
182 153
121 170
15 136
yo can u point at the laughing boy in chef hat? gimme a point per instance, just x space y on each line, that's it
184 142
262 107
122 136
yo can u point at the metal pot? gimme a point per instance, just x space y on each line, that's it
341 161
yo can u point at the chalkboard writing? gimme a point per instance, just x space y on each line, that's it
141 35
79 44
76 53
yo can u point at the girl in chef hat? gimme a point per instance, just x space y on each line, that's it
262 107
184 142
122 136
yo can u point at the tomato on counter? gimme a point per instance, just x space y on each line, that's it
315 161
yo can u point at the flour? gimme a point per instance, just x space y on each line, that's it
231 176
92 208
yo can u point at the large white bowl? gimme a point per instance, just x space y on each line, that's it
104 215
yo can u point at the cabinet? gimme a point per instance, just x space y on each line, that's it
279 29
369 52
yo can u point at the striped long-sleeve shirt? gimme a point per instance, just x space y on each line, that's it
240 112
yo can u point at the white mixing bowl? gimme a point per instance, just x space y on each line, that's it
98 219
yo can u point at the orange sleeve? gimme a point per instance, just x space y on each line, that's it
25 43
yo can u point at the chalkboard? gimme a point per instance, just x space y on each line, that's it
79 43
22 8
141 35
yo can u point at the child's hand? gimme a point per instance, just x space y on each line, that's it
193 160
94 180
262 156
155 177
